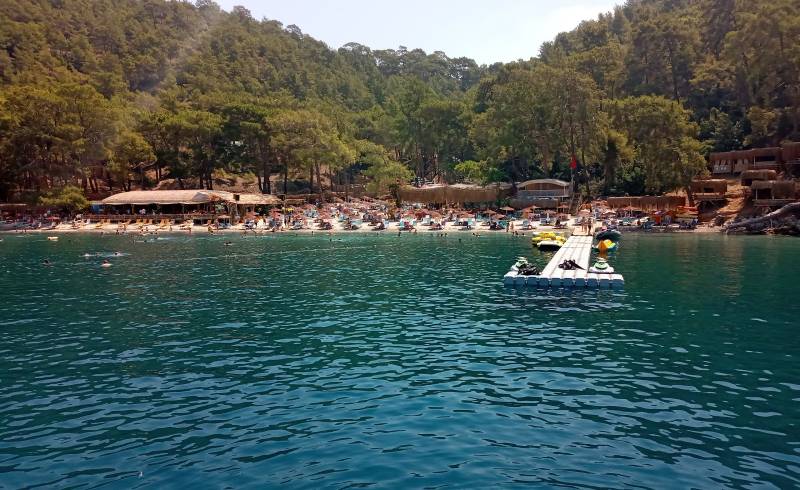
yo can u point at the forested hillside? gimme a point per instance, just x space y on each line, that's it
110 94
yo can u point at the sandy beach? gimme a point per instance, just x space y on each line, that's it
310 228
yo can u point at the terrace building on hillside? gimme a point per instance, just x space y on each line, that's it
773 193
736 162
709 190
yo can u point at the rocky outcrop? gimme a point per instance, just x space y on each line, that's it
785 221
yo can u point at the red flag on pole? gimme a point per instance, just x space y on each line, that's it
574 163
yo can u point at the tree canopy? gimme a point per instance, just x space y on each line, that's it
109 94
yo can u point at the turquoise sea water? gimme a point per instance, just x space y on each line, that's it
395 363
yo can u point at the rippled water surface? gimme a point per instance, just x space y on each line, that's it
395 362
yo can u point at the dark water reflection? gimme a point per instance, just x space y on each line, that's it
396 362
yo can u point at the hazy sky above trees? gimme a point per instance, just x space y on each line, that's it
487 31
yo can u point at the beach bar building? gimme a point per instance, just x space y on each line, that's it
185 204
542 193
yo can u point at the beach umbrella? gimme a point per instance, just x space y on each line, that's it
507 208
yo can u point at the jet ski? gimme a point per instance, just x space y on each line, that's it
550 244
521 261
546 235
609 234
601 267
525 268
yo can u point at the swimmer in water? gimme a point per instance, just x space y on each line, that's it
228 244
46 262
117 254
105 263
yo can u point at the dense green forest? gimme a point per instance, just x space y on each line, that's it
109 94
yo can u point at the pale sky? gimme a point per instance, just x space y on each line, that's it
485 30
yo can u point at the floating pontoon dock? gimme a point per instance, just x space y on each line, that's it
579 249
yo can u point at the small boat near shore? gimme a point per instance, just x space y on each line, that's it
547 240
601 266
609 234
550 244
524 268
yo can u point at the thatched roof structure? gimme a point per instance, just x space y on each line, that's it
722 156
646 202
781 189
456 193
540 184
190 196
475 193
425 194
763 174
746 154
766 152
791 151
709 186
256 199
750 176
142 198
